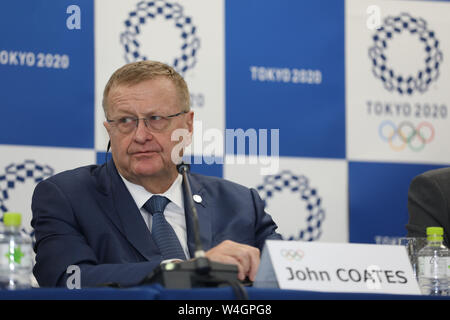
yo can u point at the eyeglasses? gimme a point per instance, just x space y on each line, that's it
154 123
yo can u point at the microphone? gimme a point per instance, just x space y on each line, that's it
200 271
106 154
183 168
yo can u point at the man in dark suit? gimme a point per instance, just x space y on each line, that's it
428 203
103 218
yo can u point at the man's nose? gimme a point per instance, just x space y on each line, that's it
142 132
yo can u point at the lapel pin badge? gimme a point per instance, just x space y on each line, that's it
197 198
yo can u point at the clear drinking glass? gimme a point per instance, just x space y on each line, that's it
392 240
413 245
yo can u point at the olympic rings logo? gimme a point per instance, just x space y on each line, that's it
406 134
291 255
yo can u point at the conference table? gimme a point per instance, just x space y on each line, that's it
157 292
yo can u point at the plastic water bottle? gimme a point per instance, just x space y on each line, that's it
433 261
16 260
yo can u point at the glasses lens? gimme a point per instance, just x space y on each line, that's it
127 124
158 123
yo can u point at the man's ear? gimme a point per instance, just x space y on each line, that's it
190 121
108 128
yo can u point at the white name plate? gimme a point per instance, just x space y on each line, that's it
336 267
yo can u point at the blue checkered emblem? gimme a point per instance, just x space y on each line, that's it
309 196
417 80
19 173
172 12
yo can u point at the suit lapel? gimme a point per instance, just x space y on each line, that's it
204 216
120 207
124 213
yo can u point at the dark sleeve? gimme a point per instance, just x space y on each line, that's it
60 243
427 206
265 226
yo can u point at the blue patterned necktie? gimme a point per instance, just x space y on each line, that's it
162 232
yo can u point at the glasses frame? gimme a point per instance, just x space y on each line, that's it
115 122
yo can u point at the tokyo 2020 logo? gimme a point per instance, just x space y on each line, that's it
299 185
173 13
417 80
19 173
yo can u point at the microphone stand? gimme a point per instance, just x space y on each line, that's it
197 272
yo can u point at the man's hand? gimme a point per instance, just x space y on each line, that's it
246 257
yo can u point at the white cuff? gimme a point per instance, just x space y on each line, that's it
170 260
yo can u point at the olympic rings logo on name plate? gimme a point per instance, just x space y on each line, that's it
406 134
292 255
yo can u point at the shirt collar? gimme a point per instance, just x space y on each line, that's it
140 195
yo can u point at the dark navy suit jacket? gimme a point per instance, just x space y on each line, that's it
87 217
428 203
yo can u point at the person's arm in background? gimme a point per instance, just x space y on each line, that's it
428 205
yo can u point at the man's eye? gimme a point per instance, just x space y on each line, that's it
126 120
153 118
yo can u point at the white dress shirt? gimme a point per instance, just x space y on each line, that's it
174 211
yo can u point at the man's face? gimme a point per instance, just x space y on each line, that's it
143 153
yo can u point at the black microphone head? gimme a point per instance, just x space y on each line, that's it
106 154
183 167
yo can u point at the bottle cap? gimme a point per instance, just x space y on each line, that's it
12 219
435 233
